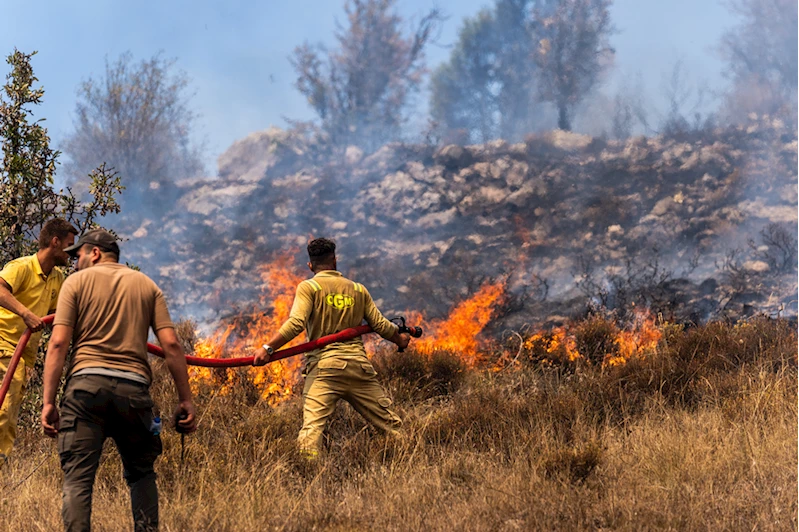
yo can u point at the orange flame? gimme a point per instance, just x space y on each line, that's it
558 344
275 381
458 333
640 338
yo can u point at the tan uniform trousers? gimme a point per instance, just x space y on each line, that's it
352 379
10 410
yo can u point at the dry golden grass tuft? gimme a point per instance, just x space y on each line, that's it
700 435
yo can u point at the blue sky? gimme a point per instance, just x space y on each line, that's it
236 51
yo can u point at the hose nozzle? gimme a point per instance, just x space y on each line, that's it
399 321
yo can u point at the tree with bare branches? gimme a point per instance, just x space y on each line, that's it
137 119
361 90
761 55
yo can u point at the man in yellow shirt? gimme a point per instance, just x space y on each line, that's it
29 288
327 304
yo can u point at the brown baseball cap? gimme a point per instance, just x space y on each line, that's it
96 237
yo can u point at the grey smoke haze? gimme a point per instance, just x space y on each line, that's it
236 52
274 191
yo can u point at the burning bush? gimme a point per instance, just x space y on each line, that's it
689 366
596 339
599 340
275 382
550 347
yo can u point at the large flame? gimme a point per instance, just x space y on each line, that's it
459 332
274 381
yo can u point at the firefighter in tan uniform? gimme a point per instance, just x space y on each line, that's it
324 305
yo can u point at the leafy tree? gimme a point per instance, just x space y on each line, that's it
573 51
27 196
761 55
361 90
136 117
488 88
512 59
463 92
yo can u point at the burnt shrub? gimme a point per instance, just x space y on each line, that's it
690 366
412 375
574 463
595 339
778 248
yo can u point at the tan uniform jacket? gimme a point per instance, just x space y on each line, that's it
329 303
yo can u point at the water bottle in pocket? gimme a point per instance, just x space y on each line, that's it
155 424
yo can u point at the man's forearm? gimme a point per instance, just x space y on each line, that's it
176 363
378 322
9 302
53 366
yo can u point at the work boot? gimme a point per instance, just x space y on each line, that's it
306 463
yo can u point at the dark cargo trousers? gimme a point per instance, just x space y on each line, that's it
94 408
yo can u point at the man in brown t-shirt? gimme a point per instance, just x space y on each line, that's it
106 309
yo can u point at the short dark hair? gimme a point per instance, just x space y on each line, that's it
89 247
321 251
57 227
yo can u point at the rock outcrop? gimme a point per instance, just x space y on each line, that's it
695 226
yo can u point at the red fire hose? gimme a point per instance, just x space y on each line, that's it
346 334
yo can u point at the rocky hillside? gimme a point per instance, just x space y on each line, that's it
696 227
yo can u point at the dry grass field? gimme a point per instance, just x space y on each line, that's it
700 433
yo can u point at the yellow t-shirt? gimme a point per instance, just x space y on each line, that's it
39 294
